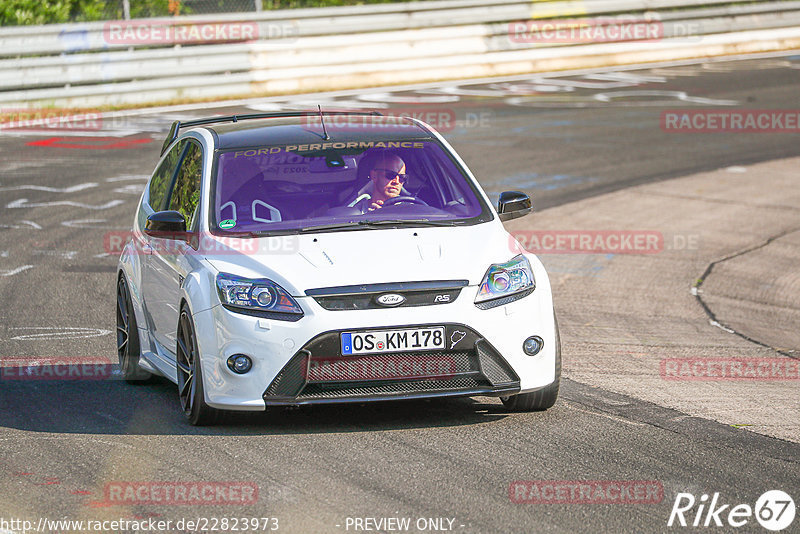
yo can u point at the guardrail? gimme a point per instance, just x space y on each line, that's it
151 60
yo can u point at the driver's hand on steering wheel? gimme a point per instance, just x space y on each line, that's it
375 205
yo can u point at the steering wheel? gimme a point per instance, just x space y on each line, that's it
400 200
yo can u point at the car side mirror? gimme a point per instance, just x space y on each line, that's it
513 204
166 225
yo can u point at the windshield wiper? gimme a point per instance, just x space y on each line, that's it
378 223
335 226
247 234
413 222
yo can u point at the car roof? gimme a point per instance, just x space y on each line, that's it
307 129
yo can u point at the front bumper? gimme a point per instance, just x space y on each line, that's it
284 351
319 373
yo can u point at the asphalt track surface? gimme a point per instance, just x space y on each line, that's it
63 442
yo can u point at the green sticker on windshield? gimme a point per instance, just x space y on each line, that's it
227 223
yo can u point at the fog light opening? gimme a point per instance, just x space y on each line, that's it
532 345
240 364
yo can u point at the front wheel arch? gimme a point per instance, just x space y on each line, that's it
189 373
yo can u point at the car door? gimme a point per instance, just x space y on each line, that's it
167 265
155 200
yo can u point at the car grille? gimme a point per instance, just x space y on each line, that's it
351 390
365 297
319 372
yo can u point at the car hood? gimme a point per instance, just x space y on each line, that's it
309 261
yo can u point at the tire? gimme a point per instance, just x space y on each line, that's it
128 347
190 377
541 399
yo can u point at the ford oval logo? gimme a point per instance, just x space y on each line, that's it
391 299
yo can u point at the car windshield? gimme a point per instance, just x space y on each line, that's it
296 188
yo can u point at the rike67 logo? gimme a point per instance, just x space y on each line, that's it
774 510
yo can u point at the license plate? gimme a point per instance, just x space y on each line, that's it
404 340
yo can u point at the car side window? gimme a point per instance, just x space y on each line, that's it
186 192
162 178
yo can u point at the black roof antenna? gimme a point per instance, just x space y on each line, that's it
322 120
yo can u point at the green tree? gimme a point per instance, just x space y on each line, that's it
28 12
24 12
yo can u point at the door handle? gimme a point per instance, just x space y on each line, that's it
147 249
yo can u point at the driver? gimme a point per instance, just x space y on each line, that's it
387 175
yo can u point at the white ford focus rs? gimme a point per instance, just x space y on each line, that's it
300 257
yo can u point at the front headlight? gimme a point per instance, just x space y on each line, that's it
261 297
505 282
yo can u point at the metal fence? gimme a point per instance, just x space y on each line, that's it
31 12
127 9
304 50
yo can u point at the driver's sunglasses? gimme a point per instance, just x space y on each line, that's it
390 175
